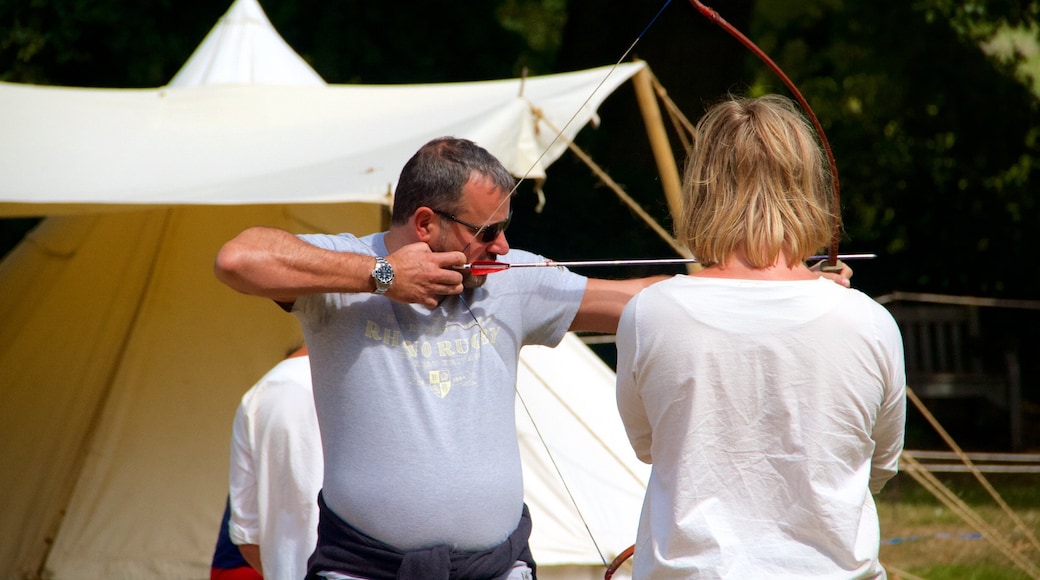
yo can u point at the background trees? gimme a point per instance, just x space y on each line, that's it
936 140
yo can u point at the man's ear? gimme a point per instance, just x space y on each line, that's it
425 223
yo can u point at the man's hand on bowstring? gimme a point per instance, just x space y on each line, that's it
422 276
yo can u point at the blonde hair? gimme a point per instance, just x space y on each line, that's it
756 180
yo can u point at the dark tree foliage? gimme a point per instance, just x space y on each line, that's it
118 43
100 43
936 143
398 42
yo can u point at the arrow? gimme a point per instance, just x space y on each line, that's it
485 267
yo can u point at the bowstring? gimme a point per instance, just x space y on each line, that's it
487 222
559 473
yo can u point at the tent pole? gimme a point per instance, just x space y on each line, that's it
659 143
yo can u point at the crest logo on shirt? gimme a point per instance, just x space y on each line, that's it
441 382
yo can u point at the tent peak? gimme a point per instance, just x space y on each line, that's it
244 47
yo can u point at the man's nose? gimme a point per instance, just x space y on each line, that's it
499 245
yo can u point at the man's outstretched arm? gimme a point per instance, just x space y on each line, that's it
604 300
276 264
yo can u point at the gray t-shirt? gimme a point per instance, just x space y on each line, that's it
416 406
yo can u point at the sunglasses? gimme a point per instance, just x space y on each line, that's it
486 234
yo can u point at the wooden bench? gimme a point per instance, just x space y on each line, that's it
944 351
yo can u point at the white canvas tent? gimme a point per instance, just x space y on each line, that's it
231 140
122 358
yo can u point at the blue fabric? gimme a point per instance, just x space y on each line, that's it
226 555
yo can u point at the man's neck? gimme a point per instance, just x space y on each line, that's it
396 238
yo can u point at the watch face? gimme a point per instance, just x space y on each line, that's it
383 275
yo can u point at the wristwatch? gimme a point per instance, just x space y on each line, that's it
383 274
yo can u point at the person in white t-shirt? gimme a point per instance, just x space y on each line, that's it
276 471
770 402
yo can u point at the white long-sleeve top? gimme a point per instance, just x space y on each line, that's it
770 410
276 470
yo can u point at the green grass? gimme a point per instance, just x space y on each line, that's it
938 544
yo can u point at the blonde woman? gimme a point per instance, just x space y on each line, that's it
769 400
